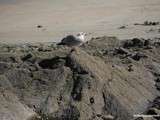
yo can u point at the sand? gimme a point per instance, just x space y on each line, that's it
19 19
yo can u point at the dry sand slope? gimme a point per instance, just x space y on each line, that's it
19 18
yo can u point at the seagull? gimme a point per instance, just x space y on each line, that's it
73 41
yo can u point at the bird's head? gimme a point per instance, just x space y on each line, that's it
81 35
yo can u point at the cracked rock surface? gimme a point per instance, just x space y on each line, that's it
104 79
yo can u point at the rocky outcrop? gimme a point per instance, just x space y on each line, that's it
124 94
10 106
98 81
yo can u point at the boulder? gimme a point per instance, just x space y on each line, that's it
123 94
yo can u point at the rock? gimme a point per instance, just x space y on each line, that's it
68 113
114 101
122 51
77 88
49 90
130 68
108 117
5 83
26 57
19 78
12 109
146 42
4 67
99 77
153 111
158 85
39 26
154 68
9 58
122 27
91 100
99 48
29 66
138 56
157 43
148 23
135 42
156 103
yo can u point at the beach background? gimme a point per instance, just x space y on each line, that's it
19 19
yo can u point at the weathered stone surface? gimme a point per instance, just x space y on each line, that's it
124 94
12 109
99 81
41 89
4 67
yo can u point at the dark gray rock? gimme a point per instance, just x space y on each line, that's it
113 98
138 56
52 63
4 67
135 42
26 57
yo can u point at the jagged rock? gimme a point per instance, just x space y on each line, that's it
26 57
122 97
138 56
135 42
87 84
100 48
122 51
156 103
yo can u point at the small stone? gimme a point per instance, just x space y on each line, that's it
130 68
39 26
122 27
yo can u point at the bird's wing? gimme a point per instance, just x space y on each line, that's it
70 39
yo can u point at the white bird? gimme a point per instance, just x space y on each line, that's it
73 41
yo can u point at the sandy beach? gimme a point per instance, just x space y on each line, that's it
19 19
